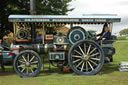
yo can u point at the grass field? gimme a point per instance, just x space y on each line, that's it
109 75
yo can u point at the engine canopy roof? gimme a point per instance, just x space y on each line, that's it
89 18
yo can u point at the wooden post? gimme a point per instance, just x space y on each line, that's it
43 33
14 31
71 25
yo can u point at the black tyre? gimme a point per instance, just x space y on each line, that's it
27 63
86 57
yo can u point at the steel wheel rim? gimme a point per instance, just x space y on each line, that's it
83 64
27 64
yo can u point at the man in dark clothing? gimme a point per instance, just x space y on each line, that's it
1 56
104 35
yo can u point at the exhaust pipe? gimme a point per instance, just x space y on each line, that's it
33 27
32 7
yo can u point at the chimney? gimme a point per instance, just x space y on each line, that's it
32 7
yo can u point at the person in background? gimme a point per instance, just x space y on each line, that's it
4 43
1 55
104 35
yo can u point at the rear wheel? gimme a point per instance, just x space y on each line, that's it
86 57
27 63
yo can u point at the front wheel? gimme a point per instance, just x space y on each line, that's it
27 63
86 57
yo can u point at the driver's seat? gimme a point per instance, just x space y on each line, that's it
108 43
108 48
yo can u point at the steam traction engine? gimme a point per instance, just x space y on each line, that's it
36 35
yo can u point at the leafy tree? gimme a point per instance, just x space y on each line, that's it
3 18
45 7
53 7
124 32
18 6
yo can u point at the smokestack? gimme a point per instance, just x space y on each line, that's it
33 26
32 7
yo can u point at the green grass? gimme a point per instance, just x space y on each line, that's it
109 75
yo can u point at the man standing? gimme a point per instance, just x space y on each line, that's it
1 56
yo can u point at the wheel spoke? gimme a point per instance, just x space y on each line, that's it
97 59
89 49
90 65
27 70
34 62
81 50
32 58
92 50
93 62
85 48
24 58
82 66
22 66
94 54
23 69
31 70
76 56
86 66
78 52
76 61
21 61
33 66
79 64
28 57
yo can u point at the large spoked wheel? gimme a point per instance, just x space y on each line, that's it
86 57
27 63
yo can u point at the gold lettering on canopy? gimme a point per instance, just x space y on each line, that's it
100 20
42 20
65 20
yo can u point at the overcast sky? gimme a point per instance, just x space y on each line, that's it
119 7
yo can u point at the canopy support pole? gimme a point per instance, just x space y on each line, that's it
110 27
14 31
71 25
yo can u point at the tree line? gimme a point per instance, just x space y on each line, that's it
124 32
43 7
